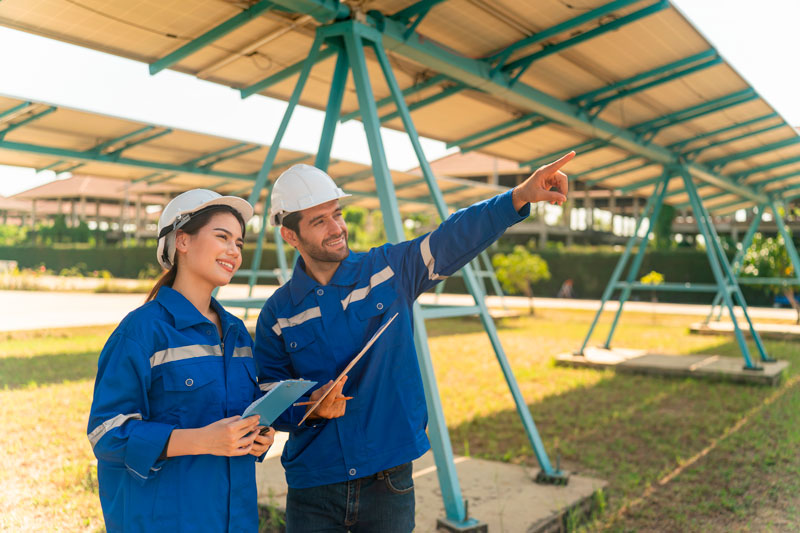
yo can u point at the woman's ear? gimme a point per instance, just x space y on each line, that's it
181 241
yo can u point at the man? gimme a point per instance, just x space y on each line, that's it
349 465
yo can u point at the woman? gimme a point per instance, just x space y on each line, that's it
173 453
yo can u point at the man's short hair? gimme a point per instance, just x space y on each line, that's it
292 221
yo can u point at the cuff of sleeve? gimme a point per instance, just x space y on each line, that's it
512 216
144 448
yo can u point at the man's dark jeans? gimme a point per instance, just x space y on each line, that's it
380 503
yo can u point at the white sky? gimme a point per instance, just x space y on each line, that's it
758 38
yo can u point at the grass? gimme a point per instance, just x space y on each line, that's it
679 454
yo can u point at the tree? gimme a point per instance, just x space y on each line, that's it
662 228
519 270
767 258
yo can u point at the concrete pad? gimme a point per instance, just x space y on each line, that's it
784 332
699 366
501 495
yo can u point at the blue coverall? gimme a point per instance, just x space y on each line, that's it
312 331
163 368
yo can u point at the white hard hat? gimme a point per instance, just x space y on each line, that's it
301 187
180 210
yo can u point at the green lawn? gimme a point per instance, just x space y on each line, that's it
679 454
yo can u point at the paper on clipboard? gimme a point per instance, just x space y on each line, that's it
349 366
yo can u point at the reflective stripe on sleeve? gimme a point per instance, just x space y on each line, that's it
427 258
184 352
243 351
98 432
296 320
374 280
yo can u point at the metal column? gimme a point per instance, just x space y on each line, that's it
723 273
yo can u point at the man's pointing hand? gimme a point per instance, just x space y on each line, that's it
537 187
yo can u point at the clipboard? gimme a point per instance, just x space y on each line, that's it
277 400
349 366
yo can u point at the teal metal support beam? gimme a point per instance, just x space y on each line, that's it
71 168
147 177
606 166
15 109
322 10
161 179
421 86
494 129
137 142
650 78
286 72
234 155
213 154
427 196
722 161
50 166
477 73
583 148
625 189
763 168
653 203
695 111
109 158
738 260
692 154
761 184
499 59
332 111
519 66
723 273
444 93
341 181
211 35
415 13
680 145
292 161
534 124
622 93
111 142
28 120
621 172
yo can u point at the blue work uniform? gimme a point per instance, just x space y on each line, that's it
307 330
165 368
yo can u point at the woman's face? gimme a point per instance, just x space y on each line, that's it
214 253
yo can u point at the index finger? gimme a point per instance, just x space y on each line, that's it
560 162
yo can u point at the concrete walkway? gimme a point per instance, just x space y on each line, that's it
24 310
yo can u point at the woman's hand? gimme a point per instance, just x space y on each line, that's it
265 436
230 437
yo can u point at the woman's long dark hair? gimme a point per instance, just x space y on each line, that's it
195 224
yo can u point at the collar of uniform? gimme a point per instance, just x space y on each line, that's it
301 283
183 312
